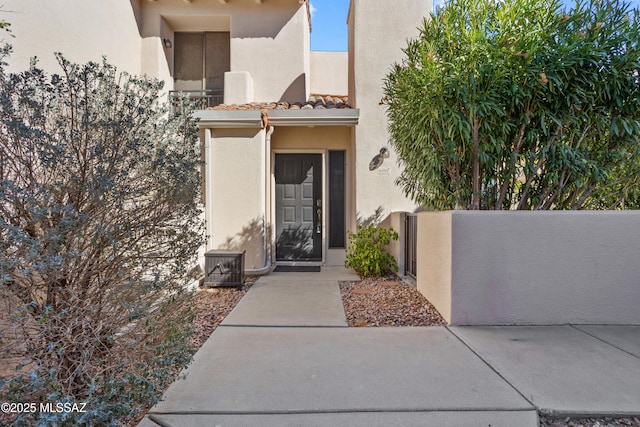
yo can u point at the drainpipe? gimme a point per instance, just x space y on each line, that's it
266 229
208 191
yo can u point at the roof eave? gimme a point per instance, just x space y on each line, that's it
228 119
328 117
235 119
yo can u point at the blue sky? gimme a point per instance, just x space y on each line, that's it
329 23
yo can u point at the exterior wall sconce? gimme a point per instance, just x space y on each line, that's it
378 159
167 43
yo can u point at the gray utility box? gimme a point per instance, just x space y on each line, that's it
224 268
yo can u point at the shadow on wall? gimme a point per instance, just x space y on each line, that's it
261 24
379 218
374 219
251 239
296 92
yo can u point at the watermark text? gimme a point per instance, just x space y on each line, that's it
48 407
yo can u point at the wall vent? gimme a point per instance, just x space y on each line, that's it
224 268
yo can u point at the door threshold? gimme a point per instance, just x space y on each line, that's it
297 269
299 263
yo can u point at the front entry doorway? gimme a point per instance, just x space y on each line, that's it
298 206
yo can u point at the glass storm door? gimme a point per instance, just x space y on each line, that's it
298 207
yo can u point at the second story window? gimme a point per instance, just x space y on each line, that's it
200 61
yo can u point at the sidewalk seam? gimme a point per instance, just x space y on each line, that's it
492 368
577 328
156 421
342 411
285 326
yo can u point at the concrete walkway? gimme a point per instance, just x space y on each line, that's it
284 357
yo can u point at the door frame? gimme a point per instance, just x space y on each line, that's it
272 202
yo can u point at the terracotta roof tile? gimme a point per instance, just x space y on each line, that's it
315 102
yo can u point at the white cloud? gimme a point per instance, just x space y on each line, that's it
312 9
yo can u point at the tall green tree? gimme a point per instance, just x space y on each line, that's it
99 224
519 104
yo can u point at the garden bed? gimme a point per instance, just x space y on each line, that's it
546 421
212 305
387 302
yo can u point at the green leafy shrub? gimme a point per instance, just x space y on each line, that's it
520 105
367 253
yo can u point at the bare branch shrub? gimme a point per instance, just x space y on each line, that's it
99 223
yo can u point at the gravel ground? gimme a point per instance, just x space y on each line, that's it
588 422
387 302
212 305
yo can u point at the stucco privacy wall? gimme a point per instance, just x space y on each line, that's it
396 221
269 40
529 268
329 72
235 168
81 30
433 260
378 31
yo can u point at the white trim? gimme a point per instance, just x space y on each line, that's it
229 119
253 118
314 117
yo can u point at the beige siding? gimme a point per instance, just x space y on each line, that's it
269 40
329 73
81 30
375 44
235 168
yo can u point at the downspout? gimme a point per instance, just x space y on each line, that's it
208 197
266 225
208 191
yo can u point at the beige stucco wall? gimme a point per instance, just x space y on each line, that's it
235 192
433 260
396 221
375 44
269 40
504 268
319 140
311 138
82 30
329 72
